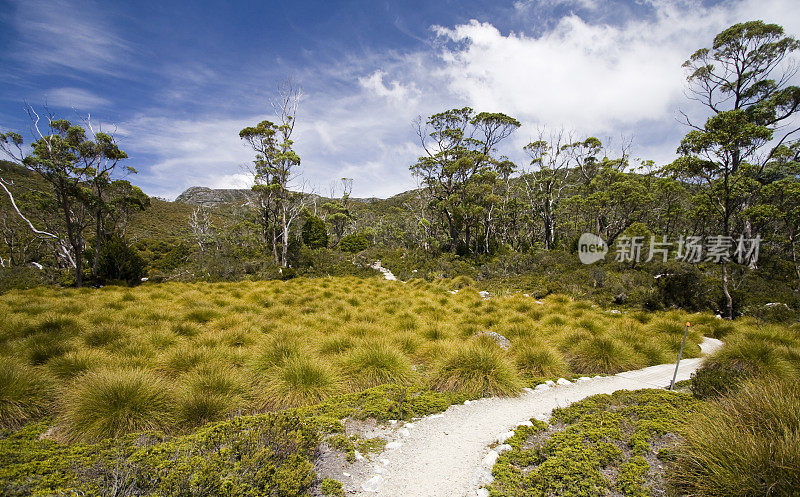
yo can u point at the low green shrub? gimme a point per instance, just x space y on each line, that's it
597 446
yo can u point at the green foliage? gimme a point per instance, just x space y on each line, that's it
744 444
331 488
314 233
120 262
262 455
354 243
593 447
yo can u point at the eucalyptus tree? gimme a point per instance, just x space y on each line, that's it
551 176
744 82
460 148
70 163
275 162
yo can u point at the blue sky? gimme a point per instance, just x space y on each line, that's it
176 80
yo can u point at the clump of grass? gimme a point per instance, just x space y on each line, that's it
335 344
76 363
184 358
602 355
201 315
113 402
276 351
540 359
297 382
374 364
476 370
742 445
104 334
24 393
52 326
758 356
42 347
186 329
460 282
210 393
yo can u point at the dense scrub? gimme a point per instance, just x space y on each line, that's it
606 444
173 356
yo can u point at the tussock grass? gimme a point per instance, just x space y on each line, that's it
745 444
374 364
603 354
111 402
210 393
540 359
363 332
297 382
475 369
25 393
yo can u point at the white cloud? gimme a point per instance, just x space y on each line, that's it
54 34
394 91
599 79
609 81
74 98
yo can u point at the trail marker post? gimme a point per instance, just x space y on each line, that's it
680 354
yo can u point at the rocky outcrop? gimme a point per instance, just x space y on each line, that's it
209 197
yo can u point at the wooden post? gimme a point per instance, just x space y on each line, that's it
680 354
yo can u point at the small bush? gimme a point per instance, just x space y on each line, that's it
315 233
331 488
476 370
24 393
353 243
120 262
742 445
113 402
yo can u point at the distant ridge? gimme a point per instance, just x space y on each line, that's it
213 197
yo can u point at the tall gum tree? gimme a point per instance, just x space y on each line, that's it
460 148
743 81
72 164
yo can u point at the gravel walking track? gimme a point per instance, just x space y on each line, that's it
448 454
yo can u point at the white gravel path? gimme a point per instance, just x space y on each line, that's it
386 273
448 454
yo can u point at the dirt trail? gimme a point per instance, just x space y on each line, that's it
448 454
